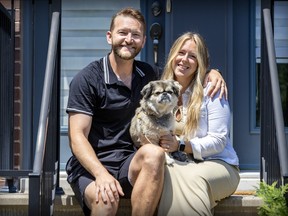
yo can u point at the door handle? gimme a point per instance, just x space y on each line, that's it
155 34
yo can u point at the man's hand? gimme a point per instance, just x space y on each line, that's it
217 82
107 188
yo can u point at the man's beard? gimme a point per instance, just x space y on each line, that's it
125 55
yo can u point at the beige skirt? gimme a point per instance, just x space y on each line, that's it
192 188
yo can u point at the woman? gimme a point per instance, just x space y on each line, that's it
210 172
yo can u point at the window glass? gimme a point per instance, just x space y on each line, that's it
83 38
281 48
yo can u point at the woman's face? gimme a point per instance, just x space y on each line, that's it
185 62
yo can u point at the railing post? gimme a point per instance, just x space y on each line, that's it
7 93
47 198
45 153
276 96
34 194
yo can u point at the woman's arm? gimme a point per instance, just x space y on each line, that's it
214 127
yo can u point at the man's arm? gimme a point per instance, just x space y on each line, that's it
217 82
106 184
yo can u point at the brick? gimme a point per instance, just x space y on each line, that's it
17 107
17 54
17 68
16 160
17 120
17 41
16 80
16 134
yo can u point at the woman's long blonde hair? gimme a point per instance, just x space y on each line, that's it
196 84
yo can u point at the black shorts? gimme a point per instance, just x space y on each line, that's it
84 180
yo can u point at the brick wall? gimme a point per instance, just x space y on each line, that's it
17 87
17 84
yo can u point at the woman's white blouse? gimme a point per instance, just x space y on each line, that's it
212 139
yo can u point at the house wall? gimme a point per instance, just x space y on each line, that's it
18 91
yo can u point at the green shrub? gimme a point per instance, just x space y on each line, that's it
274 202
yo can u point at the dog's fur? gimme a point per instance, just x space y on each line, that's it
154 117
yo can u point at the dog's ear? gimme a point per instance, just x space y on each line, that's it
176 88
147 90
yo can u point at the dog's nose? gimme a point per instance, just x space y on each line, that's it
165 97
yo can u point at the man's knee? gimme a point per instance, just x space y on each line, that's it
153 157
98 208
149 160
101 208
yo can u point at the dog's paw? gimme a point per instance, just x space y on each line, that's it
169 160
179 156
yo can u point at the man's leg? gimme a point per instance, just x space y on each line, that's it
146 173
99 208
84 190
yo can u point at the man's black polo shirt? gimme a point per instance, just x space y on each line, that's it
96 91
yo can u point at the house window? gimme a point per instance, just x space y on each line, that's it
281 48
83 29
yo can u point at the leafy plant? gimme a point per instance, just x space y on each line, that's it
274 202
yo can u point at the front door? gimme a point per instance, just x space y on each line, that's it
226 27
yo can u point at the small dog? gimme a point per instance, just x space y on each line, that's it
154 117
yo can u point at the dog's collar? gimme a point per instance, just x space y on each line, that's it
159 119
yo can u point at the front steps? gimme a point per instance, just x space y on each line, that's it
242 203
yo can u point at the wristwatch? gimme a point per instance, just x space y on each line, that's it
181 145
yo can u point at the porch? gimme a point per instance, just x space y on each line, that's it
242 202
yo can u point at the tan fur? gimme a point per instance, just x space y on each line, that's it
154 117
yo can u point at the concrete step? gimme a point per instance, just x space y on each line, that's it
66 205
243 202
249 181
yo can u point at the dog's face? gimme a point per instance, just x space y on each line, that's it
160 96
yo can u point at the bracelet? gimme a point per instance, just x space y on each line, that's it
181 144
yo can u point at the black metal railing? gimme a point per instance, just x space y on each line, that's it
43 179
7 98
6 88
274 151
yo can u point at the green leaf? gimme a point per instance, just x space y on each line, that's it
274 202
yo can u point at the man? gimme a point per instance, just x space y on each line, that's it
102 101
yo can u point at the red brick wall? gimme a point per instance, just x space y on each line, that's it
17 84
17 87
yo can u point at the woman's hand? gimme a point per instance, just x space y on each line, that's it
217 82
169 143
